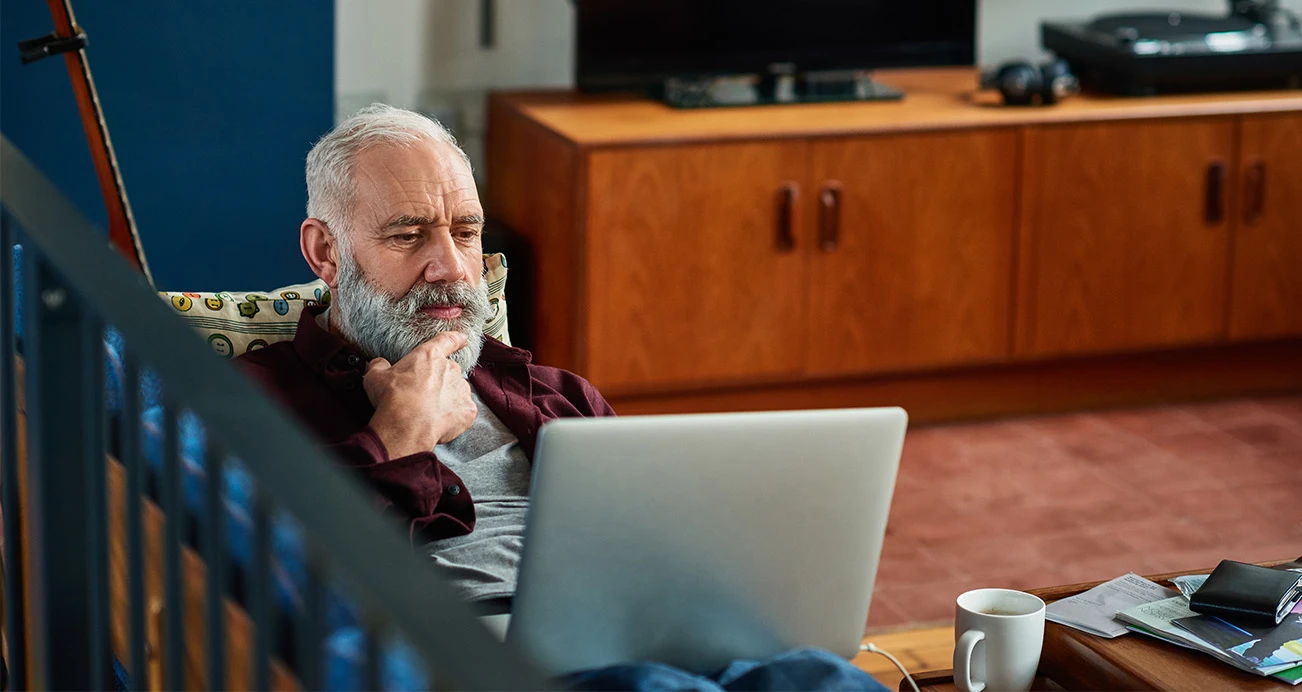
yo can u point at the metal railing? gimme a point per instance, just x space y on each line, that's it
73 288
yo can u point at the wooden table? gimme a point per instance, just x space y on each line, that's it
1074 660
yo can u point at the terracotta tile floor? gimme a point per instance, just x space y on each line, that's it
1034 502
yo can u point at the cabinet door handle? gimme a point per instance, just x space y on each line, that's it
1215 211
1254 192
786 240
829 216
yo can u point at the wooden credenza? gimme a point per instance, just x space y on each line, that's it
944 253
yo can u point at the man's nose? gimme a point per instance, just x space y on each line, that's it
443 262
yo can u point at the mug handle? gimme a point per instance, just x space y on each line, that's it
963 661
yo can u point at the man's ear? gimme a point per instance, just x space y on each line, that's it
320 250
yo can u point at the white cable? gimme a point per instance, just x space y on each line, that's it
870 647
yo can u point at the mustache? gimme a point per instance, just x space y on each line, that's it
460 294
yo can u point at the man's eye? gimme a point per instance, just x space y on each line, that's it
407 238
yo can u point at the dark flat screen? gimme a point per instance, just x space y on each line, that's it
633 43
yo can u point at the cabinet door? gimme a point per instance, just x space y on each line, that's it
689 279
917 270
1267 298
1125 235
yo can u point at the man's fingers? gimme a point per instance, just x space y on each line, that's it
445 344
377 365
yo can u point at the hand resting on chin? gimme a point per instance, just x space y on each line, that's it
422 400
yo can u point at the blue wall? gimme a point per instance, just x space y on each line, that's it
212 107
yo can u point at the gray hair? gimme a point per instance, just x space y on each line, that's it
330 188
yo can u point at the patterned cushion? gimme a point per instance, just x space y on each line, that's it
235 322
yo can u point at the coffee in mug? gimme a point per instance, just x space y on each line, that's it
998 635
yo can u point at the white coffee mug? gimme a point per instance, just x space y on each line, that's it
998 635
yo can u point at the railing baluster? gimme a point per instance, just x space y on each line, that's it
311 634
130 450
59 345
94 446
15 599
261 594
214 549
371 642
174 600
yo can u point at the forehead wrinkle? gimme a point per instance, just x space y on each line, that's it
418 189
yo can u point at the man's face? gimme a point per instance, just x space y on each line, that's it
416 257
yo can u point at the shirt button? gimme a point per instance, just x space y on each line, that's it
354 361
350 386
453 489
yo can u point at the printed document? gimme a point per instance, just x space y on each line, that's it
1095 611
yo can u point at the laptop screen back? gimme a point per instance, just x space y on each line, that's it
695 540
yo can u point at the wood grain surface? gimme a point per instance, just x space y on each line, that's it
22 512
1116 249
238 625
937 99
1074 660
1267 289
535 187
1079 661
686 282
1108 252
1015 389
921 275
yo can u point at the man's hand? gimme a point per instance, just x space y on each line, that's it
423 399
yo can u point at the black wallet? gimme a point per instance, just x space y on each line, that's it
1248 593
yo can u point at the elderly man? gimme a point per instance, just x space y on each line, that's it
398 379
397 376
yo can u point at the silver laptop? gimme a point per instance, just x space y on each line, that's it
695 540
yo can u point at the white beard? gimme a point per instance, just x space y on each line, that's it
388 327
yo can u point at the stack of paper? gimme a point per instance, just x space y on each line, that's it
1269 651
1095 611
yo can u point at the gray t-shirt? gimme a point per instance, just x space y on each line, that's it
493 467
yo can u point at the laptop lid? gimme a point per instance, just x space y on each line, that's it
695 540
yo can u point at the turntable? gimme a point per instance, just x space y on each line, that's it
1256 46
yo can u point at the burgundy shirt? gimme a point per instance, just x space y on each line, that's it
319 377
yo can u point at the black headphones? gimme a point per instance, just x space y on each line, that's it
1024 84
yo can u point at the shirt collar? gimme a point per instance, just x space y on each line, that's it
318 346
